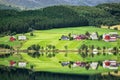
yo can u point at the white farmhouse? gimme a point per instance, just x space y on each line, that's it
93 36
22 37
22 64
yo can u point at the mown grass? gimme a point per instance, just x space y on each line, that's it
52 37
46 37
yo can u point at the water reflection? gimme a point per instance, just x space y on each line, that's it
5 55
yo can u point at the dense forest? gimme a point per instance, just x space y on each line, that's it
16 21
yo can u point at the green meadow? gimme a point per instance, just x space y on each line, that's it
47 37
51 37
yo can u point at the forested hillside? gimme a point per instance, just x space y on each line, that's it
13 21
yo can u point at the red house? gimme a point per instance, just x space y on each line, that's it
107 38
12 63
12 38
78 38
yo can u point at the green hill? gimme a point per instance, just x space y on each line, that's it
13 21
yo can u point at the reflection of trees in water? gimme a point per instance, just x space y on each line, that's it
34 54
5 55
7 73
39 54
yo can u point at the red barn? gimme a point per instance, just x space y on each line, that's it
12 38
12 63
108 38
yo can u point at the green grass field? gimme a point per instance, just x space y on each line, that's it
46 37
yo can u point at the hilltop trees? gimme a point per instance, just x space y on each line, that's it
58 17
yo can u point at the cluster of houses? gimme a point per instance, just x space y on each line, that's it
109 64
20 64
21 38
112 36
92 36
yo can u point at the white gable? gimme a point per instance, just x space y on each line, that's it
94 36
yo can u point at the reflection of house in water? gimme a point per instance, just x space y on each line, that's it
110 51
95 51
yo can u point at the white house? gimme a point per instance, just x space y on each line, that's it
93 36
22 64
22 37
93 65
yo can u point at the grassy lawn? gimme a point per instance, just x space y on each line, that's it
46 37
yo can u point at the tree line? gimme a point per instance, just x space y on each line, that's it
14 21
